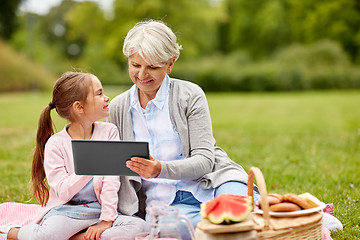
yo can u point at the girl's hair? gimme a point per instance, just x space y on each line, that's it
154 41
70 87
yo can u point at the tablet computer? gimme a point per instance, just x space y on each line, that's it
93 157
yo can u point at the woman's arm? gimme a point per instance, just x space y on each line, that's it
191 117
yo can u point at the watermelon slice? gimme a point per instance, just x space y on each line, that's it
206 208
226 208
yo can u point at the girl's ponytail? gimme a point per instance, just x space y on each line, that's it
38 177
69 88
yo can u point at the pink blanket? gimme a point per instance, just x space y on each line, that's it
18 213
23 214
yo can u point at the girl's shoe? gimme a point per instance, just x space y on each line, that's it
4 229
331 222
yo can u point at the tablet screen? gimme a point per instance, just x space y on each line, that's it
93 157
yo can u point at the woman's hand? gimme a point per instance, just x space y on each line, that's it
147 168
95 231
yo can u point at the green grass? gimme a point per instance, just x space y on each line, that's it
302 142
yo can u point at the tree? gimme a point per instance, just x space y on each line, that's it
8 10
258 26
194 22
338 20
262 27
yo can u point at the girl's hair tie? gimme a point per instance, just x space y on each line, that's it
51 105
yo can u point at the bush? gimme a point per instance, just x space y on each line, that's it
106 70
322 53
322 65
17 73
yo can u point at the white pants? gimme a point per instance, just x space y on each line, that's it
59 227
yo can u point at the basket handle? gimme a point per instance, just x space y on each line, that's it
254 171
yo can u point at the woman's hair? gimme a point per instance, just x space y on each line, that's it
70 87
154 41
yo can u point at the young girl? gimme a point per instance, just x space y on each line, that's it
74 203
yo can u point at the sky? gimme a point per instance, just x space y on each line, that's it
43 6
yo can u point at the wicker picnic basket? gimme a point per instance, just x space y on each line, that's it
299 227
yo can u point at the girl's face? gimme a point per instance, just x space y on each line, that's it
97 103
148 78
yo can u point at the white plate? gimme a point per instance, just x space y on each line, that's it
293 213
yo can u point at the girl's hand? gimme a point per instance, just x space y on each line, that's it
147 168
95 231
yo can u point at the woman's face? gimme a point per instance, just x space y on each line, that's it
147 78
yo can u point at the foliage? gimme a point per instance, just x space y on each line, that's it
54 29
302 141
8 9
227 44
19 73
106 70
30 40
322 65
262 27
338 20
258 26
87 22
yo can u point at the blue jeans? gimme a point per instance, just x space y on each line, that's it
190 207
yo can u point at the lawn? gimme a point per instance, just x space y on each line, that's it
302 141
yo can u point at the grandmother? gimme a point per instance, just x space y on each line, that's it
186 167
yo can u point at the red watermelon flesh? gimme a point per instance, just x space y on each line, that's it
206 208
227 208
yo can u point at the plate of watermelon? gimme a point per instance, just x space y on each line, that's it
293 213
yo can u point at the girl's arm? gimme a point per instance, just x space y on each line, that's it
108 197
59 167
110 185
64 183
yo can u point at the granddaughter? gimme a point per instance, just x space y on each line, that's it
74 203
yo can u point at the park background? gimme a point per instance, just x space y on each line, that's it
282 79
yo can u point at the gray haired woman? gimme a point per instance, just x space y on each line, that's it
186 167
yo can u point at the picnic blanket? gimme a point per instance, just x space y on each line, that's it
18 213
22 214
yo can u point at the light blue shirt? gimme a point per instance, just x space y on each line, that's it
153 124
84 205
86 194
